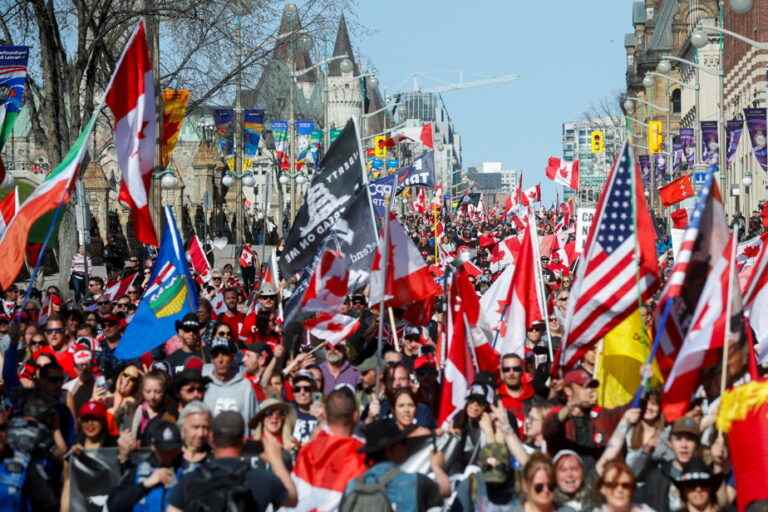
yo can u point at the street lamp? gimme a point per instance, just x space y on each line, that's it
741 6
696 88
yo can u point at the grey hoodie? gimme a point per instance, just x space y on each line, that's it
234 395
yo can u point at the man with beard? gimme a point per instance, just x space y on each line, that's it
232 316
303 388
337 369
515 391
188 331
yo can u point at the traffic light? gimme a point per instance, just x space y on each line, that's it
655 137
598 141
380 146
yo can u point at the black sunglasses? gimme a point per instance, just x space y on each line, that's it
539 488
516 369
223 333
299 389
55 330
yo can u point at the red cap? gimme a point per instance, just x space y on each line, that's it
93 409
55 299
193 363
581 377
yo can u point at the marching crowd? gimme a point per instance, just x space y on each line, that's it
240 411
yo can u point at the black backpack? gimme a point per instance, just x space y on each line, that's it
369 497
215 488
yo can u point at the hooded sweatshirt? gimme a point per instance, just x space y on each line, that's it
236 394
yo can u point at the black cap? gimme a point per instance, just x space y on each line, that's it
219 344
164 435
188 375
382 434
189 322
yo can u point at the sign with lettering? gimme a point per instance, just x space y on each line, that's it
584 218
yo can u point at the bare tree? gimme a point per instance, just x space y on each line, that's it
606 112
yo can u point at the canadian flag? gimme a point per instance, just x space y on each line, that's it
407 277
198 260
531 195
421 134
520 306
505 251
420 205
756 301
565 173
564 247
332 327
131 98
324 467
218 305
8 208
437 197
246 256
328 285
702 346
119 288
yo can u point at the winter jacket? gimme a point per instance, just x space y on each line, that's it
236 394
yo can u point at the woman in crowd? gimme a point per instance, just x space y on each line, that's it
92 433
538 484
698 487
647 439
616 488
276 419
404 412
125 393
466 424
534 433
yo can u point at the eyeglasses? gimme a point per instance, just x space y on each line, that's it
110 323
302 389
103 303
516 369
539 488
564 298
627 486
223 333
133 292
331 346
275 412
55 330
195 389
217 279
35 343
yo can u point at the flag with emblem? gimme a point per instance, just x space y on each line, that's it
618 268
169 296
131 98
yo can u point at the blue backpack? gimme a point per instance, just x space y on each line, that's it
13 475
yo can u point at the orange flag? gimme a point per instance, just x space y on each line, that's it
175 108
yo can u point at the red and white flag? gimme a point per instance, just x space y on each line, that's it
421 134
328 285
437 197
521 306
703 242
420 205
747 253
198 260
407 277
618 265
702 346
332 327
120 287
565 173
324 467
131 98
531 195
505 252
564 247
756 300
8 208
218 305
246 256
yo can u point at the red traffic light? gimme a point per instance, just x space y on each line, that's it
381 143
389 142
371 152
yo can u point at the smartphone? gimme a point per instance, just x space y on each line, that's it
317 396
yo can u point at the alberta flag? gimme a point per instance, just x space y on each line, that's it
169 296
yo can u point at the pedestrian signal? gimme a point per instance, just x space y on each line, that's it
598 141
380 146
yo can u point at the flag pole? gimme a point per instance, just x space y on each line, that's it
540 281
384 263
727 335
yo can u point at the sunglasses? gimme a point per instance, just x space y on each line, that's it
563 298
195 389
275 412
37 343
55 330
539 488
304 389
110 323
223 333
187 328
331 346
217 279
134 292
516 369
627 486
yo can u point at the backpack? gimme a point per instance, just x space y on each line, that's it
214 488
369 496
13 475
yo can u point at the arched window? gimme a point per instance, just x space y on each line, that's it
675 99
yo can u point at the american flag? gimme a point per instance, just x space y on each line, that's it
706 235
618 267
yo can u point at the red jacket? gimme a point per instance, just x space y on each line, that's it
516 405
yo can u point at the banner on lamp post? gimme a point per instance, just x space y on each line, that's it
678 154
688 141
710 146
733 131
253 127
224 119
280 136
757 126
645 169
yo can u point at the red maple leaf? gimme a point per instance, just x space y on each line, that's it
141 131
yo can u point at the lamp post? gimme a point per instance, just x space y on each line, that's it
629 106
649 77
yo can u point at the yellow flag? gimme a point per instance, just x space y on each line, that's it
625 350
174 110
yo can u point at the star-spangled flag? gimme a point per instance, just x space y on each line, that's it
618 268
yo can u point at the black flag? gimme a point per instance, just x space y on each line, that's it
93 474
419 174
337 202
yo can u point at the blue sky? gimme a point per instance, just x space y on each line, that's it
569 53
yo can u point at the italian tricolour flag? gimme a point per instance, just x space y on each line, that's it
52 193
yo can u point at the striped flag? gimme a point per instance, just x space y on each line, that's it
756 300
706 235
117 289
618 267
8 208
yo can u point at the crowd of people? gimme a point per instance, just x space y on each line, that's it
234 408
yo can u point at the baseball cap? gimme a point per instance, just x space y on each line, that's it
267 290
258 348
228 423
164 435
219 344
567 453
581 377
82 356
188 323
93 409
412 332
304 375
686 426
369 364
494 463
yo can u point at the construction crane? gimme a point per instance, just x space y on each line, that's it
461 84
